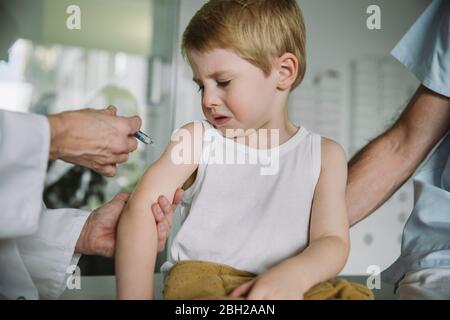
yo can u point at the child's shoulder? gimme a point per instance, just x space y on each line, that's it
332 153
192 131
187 141
196 131
329 148
191 126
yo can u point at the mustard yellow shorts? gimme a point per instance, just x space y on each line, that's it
192 280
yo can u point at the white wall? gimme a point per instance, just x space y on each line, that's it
337 37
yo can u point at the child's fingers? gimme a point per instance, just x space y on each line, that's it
162 232
242 290
167 227
169 218
162 238
167 209
163 221
157 213
177 198
161 245
256 294
165 205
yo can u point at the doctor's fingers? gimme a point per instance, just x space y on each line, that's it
102 160
128 126
112 110
111 160
107 170
124 145
122 196
132 144
119 159
119 145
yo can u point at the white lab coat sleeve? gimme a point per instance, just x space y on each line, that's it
49 253
24 150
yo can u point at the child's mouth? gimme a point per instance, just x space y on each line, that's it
221 120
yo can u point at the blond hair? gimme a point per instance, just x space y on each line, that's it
257 30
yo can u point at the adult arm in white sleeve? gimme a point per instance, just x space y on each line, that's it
24 150
48 253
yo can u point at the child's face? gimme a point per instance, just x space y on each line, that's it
235 93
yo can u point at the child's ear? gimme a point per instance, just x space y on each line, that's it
287 71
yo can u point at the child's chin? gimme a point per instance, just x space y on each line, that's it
224 132
231 132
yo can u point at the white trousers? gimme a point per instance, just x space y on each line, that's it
426 284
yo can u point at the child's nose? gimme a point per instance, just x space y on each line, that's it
209 99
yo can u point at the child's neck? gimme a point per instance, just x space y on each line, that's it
285 128
278 130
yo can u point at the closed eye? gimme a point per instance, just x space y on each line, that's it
223 84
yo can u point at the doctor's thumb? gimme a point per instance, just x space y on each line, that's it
112 110
123 197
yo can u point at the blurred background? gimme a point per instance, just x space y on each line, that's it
127 53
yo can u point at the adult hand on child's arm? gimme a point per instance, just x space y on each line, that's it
98 236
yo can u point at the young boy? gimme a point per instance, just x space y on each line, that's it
246 234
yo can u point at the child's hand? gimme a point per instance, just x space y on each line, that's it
163 213
276 284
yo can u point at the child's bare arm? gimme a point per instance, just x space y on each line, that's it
328 246
329 242
137 236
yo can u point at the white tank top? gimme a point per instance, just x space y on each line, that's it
236 216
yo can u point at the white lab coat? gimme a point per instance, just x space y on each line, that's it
36 244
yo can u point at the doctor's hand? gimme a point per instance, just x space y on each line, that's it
98 236
95 139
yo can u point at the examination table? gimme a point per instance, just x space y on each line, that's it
104 288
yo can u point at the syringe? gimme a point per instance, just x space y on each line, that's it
143 137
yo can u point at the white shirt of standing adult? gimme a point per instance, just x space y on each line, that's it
37 245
